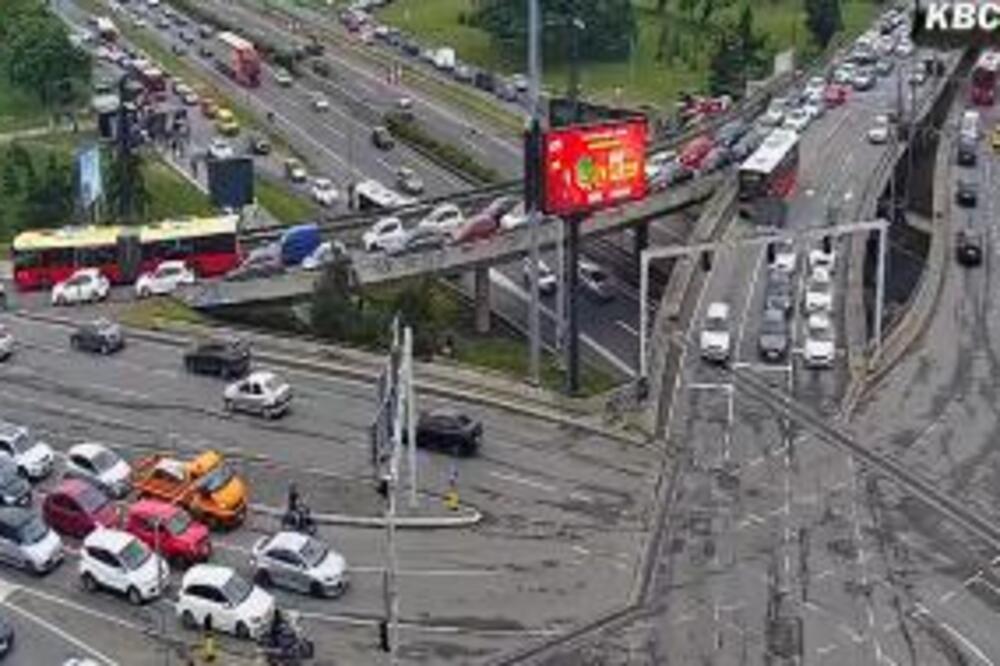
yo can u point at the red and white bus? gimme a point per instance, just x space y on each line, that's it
984 78
237 58
769 174
43 257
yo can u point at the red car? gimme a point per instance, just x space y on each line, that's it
181 539
835 95
695 152
77 508
480 227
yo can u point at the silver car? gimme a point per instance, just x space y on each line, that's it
6 343
299 562
27 542
260 392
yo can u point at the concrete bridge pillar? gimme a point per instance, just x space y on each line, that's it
483 299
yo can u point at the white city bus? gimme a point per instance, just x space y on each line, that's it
768 176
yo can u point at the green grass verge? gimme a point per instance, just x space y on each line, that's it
287 207
171 194
642 78
447 155
151 313
19 109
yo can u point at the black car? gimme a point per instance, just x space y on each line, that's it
15 490
779 293
101 335
382 138
966 194
773 341
449 431
730 133
205 52
969 247
6 636
258 145
220 357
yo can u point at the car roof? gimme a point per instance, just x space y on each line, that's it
287 540
173 262
87 449
718 310
73 487
11 429
15 516
208 574
263 376
819 320
154 507
113 540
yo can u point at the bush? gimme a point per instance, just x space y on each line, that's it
447 155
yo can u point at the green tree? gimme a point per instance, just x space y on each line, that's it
738 55
336 313
610 26
127 192
9 179
824 20
50 202
41 57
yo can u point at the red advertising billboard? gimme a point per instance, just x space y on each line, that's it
593 166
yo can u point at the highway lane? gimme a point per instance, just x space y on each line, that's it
944 394
564 511
337 144
488 143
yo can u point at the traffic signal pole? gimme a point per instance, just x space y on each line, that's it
532 174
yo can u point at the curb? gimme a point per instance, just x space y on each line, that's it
320 365
468 518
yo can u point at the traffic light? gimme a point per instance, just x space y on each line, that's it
770 253
706 260
827 245
383 636
382 487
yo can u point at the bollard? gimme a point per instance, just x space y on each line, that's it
208 649
451 499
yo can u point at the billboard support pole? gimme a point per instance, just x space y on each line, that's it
532 172
573 332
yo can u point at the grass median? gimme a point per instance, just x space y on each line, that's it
287 207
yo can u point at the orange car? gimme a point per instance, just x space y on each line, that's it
208 487
209 108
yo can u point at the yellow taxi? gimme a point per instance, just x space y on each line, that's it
995 137
226 123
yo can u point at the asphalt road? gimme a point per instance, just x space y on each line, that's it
564 512
335 143
774 554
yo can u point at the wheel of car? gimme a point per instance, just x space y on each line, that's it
144 292
228 405
187 619
263 578
105 348
74 342
134 597
242 631
88 581
316 589
189 364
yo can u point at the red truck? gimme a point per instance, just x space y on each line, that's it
237 58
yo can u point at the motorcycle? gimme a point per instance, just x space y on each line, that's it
286 644
298 517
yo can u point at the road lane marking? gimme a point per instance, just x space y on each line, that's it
621 324
969 645
61 633
524 481
826 649
851 633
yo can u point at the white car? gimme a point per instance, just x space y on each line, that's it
386 234
446 218
6 343
819 292
815 107
283 78
844 74
260 392
820 348
324 254
715 338
324 192
785 257
879 132
86 285
547 280
118 561
164 279
904 47
516 217
797 120
815 86
658 161
819 258
219 149
99 466
320 103
34 458
774 116
218 597
299 562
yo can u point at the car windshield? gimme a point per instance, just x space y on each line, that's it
32 531
819 330
773 324
178 523
218 478
134 555
272 384
715 324
91 499
313 552
170 271
236 590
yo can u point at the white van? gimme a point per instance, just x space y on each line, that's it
969 127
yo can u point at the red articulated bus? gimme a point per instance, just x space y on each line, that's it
210 246
237 58
984 78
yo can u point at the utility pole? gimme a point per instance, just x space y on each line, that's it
574 222
533 178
